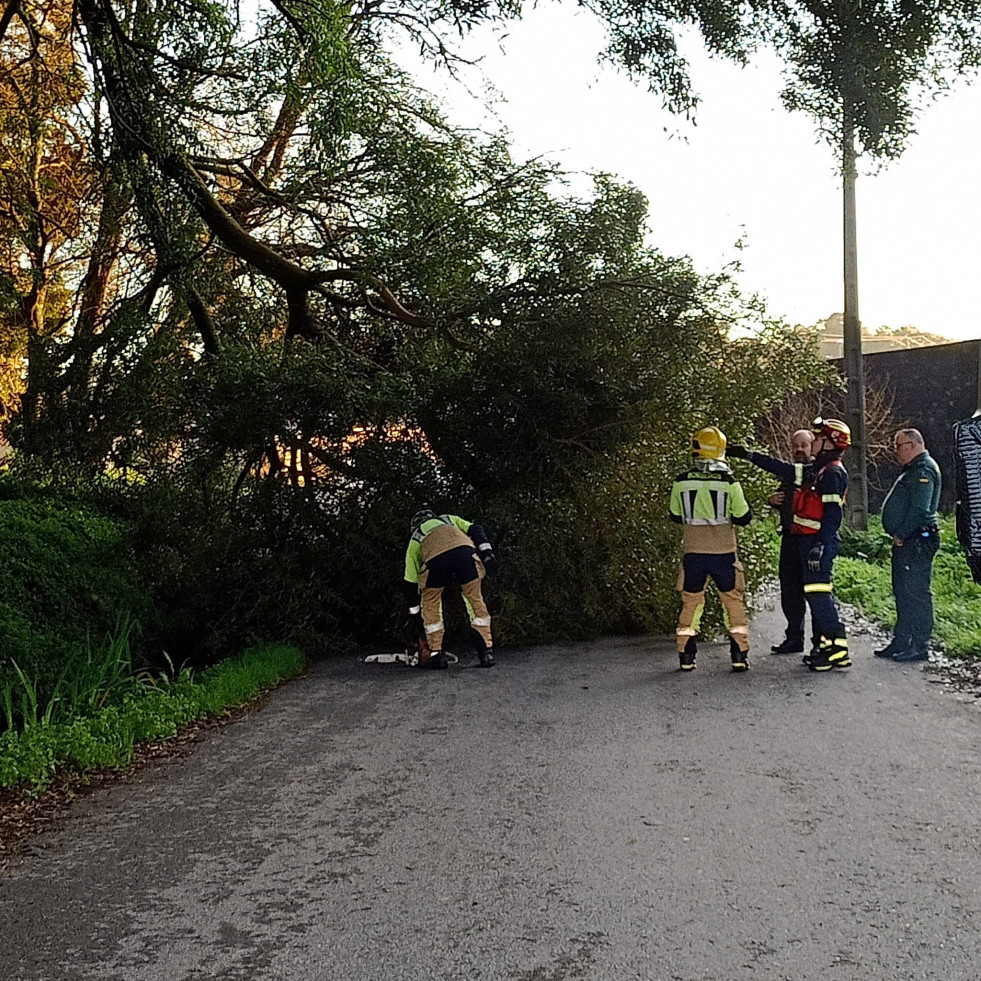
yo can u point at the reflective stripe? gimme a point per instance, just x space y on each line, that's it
817 587
413 610
686 632
485 546
831 498
431 628
707 521
481 621
798 474
739 630
807 523
419 535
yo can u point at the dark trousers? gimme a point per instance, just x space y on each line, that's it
817 586
912 566
792 600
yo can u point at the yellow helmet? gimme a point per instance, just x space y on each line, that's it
709 444
835 430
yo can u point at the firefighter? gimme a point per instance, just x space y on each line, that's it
817 514
442 548
707 501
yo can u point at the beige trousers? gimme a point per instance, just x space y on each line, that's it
473 597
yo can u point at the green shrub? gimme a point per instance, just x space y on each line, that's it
150 712
68 580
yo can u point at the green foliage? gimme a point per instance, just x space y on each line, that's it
456 331
881 60
150 712
89 676
67 582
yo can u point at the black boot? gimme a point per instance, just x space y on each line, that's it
436 661
740 659
687 656
887 652
830 654
788 646
485 654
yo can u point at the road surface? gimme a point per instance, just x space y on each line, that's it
581 812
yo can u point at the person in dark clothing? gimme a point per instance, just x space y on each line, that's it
817 515
792 600
909 515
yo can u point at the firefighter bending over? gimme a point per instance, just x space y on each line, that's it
707 501
441 548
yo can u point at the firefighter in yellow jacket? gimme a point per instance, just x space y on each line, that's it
443 547
707 501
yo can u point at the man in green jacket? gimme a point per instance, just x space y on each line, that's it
909 515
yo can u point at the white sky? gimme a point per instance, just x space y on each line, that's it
748 170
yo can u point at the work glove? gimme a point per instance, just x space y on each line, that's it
814 558
491 562
737 451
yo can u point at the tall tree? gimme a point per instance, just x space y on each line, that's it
45 180
239 160
863 69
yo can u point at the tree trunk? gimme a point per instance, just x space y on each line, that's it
857 507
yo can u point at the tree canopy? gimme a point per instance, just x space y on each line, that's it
258 279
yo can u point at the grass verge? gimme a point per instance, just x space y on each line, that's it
150 713
863 578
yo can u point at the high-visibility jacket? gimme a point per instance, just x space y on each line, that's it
707 503
818 502
435 536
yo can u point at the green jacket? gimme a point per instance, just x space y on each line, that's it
912 501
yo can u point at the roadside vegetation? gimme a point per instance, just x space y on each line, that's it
102 729
85 675
863 579
260 300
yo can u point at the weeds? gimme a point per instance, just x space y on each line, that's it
148 710
863 578
88 681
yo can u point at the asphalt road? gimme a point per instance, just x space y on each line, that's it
575 813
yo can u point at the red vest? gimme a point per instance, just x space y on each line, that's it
808 506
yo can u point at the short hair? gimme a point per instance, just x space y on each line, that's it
802 432
913 435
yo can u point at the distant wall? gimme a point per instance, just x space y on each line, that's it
932 387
